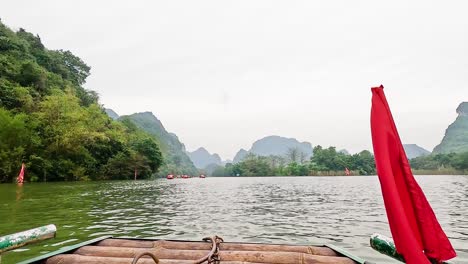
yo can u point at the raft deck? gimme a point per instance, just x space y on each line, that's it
212 250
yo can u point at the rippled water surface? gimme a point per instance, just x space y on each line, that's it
343 211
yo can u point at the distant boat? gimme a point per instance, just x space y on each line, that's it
170 177
185 176
202 176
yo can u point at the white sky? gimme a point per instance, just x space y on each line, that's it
222 74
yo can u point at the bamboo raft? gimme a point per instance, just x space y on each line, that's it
211 250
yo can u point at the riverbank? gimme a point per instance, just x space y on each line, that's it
448 171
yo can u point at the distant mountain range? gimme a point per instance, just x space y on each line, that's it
279 146
179 161
201 158
456 135
414 151
275 145
240 155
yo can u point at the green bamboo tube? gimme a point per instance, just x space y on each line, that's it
386 246
323 251
20 239
246 256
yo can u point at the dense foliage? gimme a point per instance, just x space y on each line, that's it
54 125
323 162
434 162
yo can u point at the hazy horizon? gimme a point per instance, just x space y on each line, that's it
223 74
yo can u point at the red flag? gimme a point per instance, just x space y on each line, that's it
20 178
415 230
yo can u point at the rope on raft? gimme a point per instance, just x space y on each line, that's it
137 257
212 257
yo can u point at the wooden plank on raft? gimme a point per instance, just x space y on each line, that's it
243 256
78 259
324 251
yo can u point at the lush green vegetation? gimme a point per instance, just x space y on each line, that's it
452 163
329 162
324 162
54 125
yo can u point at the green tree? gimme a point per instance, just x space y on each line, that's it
54 125
15 138
460 161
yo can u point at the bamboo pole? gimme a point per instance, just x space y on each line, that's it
245 256
323 251
385 245
20 239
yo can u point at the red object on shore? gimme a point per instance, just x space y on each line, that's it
415 230
347 172
170 177
20 178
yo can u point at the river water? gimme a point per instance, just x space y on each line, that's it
343 211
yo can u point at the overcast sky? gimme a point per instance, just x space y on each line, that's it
222 74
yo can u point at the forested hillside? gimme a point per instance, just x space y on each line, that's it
54 125
456 136
176 160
